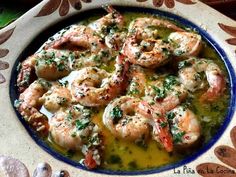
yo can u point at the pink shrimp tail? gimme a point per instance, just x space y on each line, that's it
160 124
215 91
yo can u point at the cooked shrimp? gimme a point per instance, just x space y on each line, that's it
165 94
161 131
142 46
47 64
137 81
28 105
156 114
148 53
146 22
112 21
72 129
78 38
115 40
184 126
185 43
123 120
95 87
191 76
26 73
161 97
52 64
56 97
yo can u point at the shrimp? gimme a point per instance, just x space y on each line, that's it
185 43
52 64
161 97
137 81
112 21
165 94
72 129
26 73
28 105
122 119
155 112
191 76
115 40
184 126
56 97
110 27
95 87
161 131
149 53
47 64
78 38
147 22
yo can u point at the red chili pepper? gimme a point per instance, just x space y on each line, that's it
89 162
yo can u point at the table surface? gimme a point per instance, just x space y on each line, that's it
9 12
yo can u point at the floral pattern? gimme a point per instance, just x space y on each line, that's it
225 154
3 52
63 5
230 30
168 3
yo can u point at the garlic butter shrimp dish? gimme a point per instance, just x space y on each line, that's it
123 91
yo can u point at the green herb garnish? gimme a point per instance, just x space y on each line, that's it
116 114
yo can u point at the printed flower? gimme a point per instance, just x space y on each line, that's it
230 30
168 3
225 154
3 52
63 5
3 65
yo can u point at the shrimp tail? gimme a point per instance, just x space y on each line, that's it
215 90
26 76
161 131
121 60
110 9
115 14
39 123
164 135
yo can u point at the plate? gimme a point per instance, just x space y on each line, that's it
24 36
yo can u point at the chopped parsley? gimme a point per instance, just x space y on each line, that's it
179 52
169 82
94 141
163 124
44 83
81 124
61 67
19 66
63 83
177 137
166 52
116 114
170 115
69 116
114 159
160 93
17 103
184 64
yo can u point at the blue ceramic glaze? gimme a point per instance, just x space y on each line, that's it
40 39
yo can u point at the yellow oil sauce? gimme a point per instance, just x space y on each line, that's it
120 154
